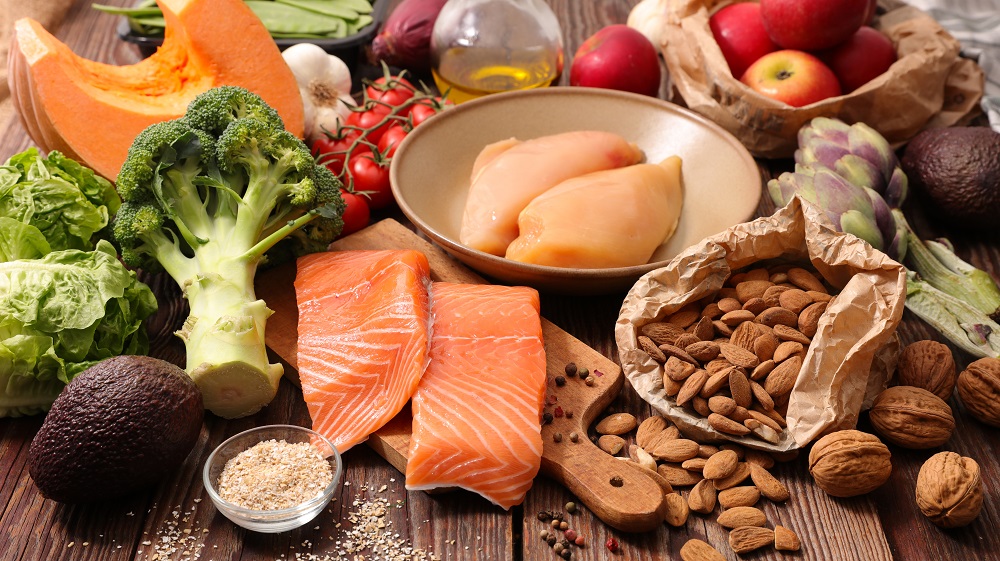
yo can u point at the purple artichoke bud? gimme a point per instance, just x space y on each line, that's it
867 143
860 172
897 188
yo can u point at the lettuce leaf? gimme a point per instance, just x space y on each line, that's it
60 314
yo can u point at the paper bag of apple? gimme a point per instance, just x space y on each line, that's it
768 334
762 71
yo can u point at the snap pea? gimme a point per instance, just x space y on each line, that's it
284 19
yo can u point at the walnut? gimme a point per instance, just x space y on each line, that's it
979 388
928 365
912 417
848 463
949 490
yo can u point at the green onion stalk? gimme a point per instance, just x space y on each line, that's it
852 174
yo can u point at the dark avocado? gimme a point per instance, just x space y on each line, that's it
957 171
121 425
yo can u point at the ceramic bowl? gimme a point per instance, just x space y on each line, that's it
431 169
271 521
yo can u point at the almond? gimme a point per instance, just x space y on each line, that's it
649 428
740 414
762 431
677 510
665 435
763 369
751 289
672 350
805 280
747 495
781 380
738 355
739 476
703 351
721 404
785 539
641 457
771 414
706 451
787 349
700 404
703 330
727 305
647 344
736 317
695 464
715 383
762 397
772 296
764 419
745 335
662 333
786 333
617 423
689 339
819 296
721 465
718 365
749 538
684 317
692 386
677 370
777 316
740 516
795 300
768 485
765 345
761 458
702 497
678 476
671 387
759 273
676 450
697 550
727 425
755 305
739 387
611 444
721 328
809 318
711 311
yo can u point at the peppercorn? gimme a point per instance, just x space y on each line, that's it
573 437
557 412
566 553
544 515
571 534
546 418
617 481
563 525
555 523
583 372
557 437
544 534
571 506
558 548
579 541
569 414
551 540
589 381
612 545
571 369
560 381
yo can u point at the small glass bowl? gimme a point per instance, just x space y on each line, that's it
271 521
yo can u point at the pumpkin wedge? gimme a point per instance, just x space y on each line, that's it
92 111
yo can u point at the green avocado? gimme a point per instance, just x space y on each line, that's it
119 426
957 169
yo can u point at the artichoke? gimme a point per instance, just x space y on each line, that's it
852 174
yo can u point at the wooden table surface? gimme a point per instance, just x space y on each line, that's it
885 524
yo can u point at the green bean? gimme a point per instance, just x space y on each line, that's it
282 18
325 7
136 13
353 26
359 6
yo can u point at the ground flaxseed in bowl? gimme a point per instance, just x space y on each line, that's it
273 478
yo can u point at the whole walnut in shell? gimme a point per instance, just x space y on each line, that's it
848 463
928 365
949 490
979 388
912 417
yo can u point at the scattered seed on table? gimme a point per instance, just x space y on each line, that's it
579 541
557 412
546 418
573 437
558 548
571 369
612 545
571 507
544 534
544 515
557 437
560 381
569 414
589 381
555 523
617 481
551 540
583 372
571 534
564 525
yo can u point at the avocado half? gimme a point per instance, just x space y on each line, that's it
957 169
119 426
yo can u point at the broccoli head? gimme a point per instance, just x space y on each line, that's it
207 198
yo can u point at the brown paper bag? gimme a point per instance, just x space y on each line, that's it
852 354
928 86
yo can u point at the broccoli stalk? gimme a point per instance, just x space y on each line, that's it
205 198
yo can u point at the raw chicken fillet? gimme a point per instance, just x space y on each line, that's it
364 335
476 412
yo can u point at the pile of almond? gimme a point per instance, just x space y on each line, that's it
716 475
735 358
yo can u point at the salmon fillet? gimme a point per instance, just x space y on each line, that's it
364 334
476 412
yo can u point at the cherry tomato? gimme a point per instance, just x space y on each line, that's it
356 214
371 179
394 91
333 151
425 109
368 120
390 140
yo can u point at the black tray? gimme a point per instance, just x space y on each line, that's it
348 48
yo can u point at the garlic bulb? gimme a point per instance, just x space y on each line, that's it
649 17
325 85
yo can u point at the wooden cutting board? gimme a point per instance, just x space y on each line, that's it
624 496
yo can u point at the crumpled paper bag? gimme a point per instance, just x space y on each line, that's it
928 86
855 347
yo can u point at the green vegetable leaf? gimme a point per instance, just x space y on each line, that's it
20 241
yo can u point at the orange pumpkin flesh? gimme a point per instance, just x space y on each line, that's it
92 111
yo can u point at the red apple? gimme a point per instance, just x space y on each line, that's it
618 58
740 33
810 25
794 77
867 54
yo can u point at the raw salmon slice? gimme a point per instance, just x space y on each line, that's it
476 412
364 334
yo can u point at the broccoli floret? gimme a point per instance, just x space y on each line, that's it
206 198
